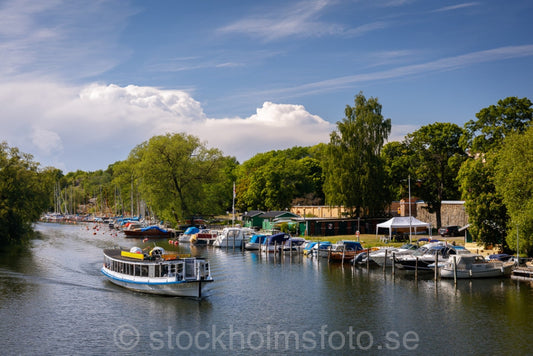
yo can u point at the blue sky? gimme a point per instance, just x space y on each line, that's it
83 82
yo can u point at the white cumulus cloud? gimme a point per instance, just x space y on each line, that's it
92 126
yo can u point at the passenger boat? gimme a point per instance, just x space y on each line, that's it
153 231
474 266
158 272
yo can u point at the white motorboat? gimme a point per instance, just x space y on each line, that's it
425 257
233 237
474 266
157 272
379 256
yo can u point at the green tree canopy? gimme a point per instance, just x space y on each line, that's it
435 161
484 138
175 171
397 162
495 122
353 168
23 196
513 173
275 180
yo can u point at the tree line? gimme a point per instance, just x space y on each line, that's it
177 177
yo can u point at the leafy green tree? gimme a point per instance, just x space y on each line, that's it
397 162
513 173
487 214
354 175
495 122
175 172
484 137
23 197
275 180
435 162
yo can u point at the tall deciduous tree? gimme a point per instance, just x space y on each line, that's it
175 172
274 180
397 157
436 160
514 170
484 137
354 175
23 196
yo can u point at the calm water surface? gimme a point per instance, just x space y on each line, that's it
55 301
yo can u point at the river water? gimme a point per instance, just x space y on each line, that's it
55 301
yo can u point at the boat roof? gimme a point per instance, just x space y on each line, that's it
116 253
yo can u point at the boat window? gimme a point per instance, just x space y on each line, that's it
137 270
164 270
157 272
144 271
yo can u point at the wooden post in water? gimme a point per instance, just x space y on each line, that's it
329 253
368 260
393 264
455 269
233 242
385 261
260 252
416 268
436 265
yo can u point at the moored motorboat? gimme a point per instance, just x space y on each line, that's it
153 232
186 236
425 257
346 251
474 266
255 242
275 243
233 237
386 254
158 272
204 237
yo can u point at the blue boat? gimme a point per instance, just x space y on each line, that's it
255 241
275 242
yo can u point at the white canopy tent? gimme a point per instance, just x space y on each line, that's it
403 222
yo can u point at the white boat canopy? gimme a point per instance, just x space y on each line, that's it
403 222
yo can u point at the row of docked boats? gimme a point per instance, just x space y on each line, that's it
161 272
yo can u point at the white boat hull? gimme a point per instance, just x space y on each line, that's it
161 286
492 272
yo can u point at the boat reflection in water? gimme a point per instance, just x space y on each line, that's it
157 272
